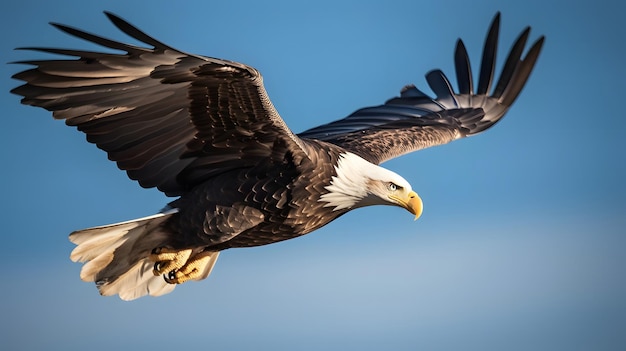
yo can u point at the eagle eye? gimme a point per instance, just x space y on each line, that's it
393 187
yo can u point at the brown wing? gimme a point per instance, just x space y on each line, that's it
415 121
169 119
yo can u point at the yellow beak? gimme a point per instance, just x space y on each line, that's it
412 203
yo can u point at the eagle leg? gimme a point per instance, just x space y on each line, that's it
179 266
196 268
168 260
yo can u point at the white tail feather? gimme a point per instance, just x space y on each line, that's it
137 282
117 256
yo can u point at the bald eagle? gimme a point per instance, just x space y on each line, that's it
204 130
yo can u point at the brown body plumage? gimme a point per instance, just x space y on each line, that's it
275 200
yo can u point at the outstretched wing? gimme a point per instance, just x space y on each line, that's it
415 121
170 119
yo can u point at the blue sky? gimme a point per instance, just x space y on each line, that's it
522 238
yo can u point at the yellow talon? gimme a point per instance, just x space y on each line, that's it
194 269
167 260
179 266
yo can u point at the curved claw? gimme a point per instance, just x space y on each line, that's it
179 266
157 268
170 277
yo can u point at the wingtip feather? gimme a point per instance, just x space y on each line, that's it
463 68
487 66
135 32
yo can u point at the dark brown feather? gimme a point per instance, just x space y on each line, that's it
170 119
415 121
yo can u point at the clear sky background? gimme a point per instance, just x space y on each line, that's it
520 247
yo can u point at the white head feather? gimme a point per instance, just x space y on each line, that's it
355 184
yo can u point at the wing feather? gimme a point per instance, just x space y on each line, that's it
463 69
490 50
415 121
442 88
168 118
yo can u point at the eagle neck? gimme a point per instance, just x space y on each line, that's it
348 187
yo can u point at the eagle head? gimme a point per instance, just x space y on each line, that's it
358 183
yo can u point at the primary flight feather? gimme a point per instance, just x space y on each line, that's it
204 130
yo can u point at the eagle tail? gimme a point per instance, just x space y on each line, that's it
117 256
